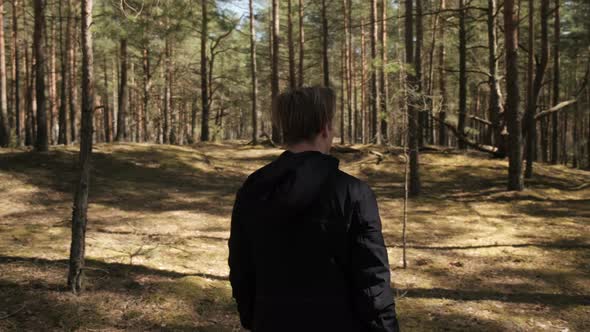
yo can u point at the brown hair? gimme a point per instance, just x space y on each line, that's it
302 113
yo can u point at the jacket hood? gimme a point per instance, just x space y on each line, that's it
292 182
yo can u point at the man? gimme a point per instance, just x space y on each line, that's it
306 252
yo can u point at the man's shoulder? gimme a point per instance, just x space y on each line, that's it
355 186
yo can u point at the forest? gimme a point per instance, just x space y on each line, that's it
126 128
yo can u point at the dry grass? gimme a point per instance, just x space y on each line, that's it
480 258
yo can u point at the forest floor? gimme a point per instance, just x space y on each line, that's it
480 258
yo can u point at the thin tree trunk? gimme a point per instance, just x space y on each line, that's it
364 113
147 84
556 78
414 189
326 64
347 74
71 47
537 84
274 81
4 127
80 215
53 83
106 111
123 94
442 130
291 47
204 76
495 106
383 81
167 100
16 75
375 136
430 92
253 67
515 176
462 71
301 44
419 76
41 143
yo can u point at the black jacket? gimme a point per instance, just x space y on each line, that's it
306 252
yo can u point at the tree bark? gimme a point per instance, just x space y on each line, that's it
537 84
495 102
515 176
383 81
166 132
253 69
556 78
422 119
301 45
71 47
414 189
462 71
80 215
442 130
291 47
19 119
375 136
41 142
276 135
4 127
364 113
204 76
108 134
326 64
123 94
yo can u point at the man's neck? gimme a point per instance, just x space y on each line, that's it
304 146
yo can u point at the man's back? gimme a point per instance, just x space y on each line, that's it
306 250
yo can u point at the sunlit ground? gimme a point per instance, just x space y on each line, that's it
480 258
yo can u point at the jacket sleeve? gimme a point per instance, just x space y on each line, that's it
372 293
241 266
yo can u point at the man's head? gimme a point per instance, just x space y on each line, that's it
304 116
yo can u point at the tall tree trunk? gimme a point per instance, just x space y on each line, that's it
462 72
495 102
29 76
204 76
147 84
347 69
123 94
419 76
414 189
515 176
274 81
342 91
291 47
71 47
107 108
556 78
326 64
4 127
383 81
253 70
301 44
375 136
62 137
167 100
429 118
537 84
53 82
170 110
41 143
442 130
80 215
364 113
16 75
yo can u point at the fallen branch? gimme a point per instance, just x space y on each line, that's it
345 149
13 313
480 147
379 156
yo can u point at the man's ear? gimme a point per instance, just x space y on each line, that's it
325 132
